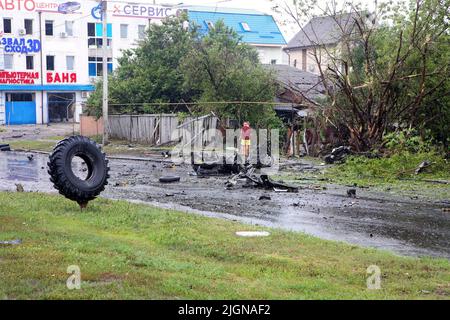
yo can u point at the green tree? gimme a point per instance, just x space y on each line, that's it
150 72
223 68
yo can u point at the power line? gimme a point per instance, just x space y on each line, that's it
211 102
54 26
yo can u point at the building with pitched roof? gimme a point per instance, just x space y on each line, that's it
256 29
320 36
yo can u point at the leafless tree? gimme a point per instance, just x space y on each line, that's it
383 65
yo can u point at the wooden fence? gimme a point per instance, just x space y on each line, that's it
161 129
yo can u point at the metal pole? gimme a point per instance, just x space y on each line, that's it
42 70
105 73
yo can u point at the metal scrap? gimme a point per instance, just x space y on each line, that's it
259 181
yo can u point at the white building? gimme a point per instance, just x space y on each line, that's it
256 29
51 51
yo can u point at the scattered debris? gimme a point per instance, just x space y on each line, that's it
30 157
5 147
252 233
19 187
317 187
423 166
351 193
169 179
337 155
11 242
446 210
120 184
261 181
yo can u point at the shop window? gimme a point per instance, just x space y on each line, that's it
48 27
50 63
7 25
96 66
30 62
19 97
28 24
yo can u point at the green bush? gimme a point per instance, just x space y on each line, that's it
407 140
398 165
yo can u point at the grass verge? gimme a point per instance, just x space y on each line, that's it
115 148
396 173
129 251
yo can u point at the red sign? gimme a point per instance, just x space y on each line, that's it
28 5
13 77
37 5
61 77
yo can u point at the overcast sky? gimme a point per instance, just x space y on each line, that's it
265 6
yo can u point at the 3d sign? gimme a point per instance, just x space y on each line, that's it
7 77
61 77
20 45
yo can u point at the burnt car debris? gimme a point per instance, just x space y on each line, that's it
337 155
250 179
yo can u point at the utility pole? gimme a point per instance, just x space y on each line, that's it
105 73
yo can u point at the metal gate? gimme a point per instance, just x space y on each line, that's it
20 109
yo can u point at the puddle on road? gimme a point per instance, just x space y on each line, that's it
17 167
405 227
19 170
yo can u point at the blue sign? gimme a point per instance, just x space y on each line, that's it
96 12
22 45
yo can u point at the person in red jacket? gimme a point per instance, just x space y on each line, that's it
245 140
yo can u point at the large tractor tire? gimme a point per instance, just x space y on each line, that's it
65 180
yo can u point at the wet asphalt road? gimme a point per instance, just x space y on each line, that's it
417 227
